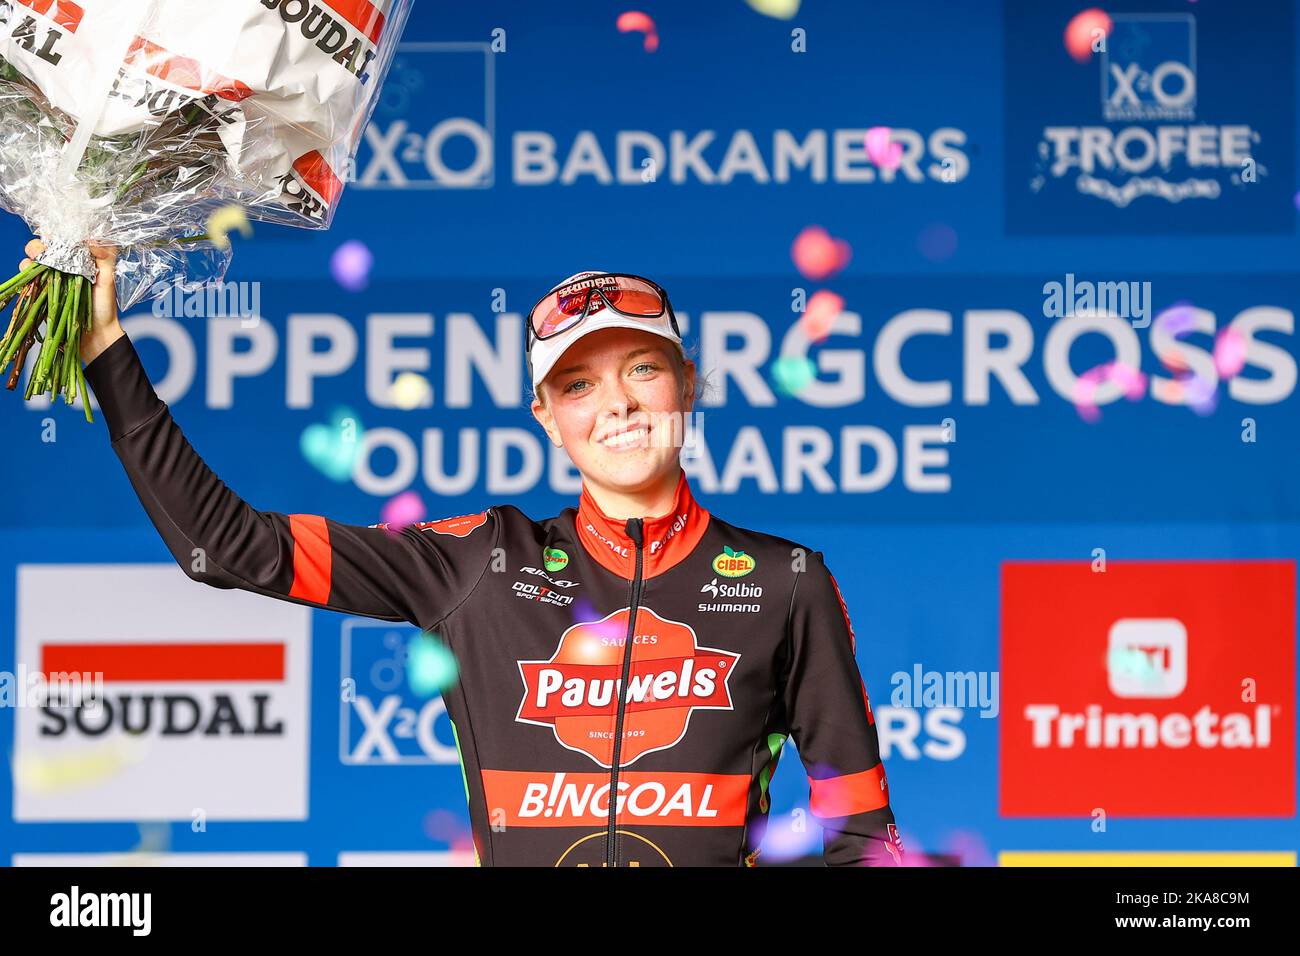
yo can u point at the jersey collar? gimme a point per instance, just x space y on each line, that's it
668 538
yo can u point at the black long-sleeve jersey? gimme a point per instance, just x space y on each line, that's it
663 659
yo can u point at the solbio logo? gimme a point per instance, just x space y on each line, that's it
553 559
733 564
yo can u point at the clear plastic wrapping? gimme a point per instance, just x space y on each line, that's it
129 122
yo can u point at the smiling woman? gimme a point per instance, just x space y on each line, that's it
700 692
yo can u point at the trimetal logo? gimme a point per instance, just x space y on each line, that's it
576 692
1147 658
1148 689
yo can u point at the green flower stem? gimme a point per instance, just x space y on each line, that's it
81 378
57 331
29 316
22 278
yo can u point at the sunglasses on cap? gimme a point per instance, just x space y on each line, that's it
566 306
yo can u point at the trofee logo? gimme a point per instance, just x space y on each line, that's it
1149 689
576 692
205 703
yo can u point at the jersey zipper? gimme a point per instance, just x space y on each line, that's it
611 838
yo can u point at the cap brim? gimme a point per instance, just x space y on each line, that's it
546 353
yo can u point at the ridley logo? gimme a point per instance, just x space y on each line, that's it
576 692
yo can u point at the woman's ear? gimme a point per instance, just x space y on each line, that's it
546 419
688 384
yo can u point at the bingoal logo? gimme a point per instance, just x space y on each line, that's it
1128 689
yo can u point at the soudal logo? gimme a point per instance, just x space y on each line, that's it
576 692
733 564
199 713
346 31
40 37
619 549
1162 683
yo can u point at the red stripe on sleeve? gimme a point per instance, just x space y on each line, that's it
853 643
853 793
312 558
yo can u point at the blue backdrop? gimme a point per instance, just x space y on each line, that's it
487 175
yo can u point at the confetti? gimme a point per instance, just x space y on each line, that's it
780 9
789 838
410 390
332 448
225 220
822 311
881 150
818 255
403 510
350 264
1175 322
1200 394
937 242
80 769
634 21
1229 352
1080 33
1085 394
1131 381
430 665
791 374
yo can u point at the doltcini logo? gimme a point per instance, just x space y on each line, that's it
733 564
554 559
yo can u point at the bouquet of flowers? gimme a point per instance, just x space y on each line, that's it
128 123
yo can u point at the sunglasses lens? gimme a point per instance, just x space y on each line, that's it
566 306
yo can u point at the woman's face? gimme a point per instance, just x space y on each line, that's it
617 401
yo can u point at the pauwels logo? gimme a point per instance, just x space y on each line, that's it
576 692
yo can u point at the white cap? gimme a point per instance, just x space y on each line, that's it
546 352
